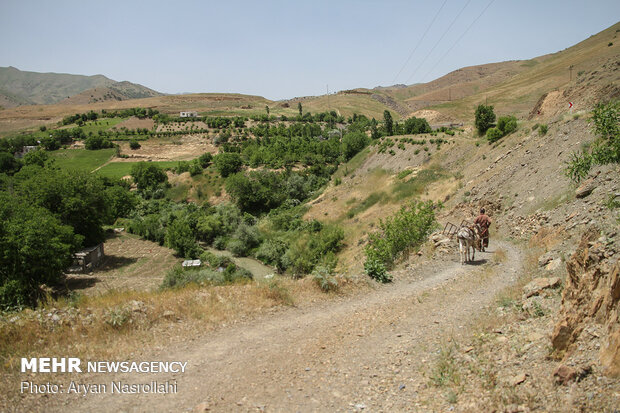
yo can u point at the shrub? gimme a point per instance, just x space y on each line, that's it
376 270
542 130
271 252
134 144
578 166
178 277
195 169
606 120
494 134
118 317
398 233
205 159
507 124
322 276
606 149
8 163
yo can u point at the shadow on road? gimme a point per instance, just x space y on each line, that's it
477 262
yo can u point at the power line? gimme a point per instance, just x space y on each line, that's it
419 42
438 41
459 39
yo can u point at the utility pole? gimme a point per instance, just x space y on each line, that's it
328 105
570 71
449 94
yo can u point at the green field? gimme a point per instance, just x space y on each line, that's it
117 170
81 159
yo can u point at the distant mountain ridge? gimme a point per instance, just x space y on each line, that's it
19 87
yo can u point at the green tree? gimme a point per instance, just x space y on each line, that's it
37 157
180 237
352 143
148 176
267 109
415 125
300 108
121 201
227 163
134 144
258 191
389 123
35 248
78 199
8 163
485 118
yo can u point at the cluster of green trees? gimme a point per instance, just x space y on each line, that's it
329 117
505 125
196 166
46 214
140 113
283 239
257 192
281 146
54 140
485 123
410 126
83 117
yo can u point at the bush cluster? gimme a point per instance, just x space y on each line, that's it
505 126
397 235
605 149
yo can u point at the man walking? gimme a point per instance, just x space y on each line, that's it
485 222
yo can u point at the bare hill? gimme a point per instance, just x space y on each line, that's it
114 92
458 84
19 87
583 74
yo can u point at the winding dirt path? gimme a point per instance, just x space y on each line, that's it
369 352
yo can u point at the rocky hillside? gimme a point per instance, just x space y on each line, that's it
19 87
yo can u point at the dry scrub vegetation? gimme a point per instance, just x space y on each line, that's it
123 323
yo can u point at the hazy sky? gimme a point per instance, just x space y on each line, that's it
283 49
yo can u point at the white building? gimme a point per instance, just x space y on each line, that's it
188 114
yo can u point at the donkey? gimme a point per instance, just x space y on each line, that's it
469 237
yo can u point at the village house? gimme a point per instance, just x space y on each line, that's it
87 259
188 114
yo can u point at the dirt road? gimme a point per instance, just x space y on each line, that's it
370 352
